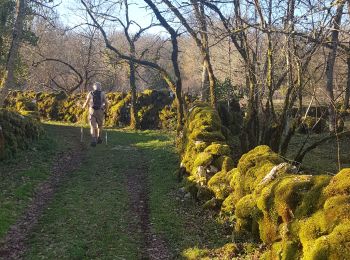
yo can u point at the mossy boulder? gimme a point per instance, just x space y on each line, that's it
224 163
203 159
219 149
247 213
17 132
220 184
167 116
150 104
340 184
227 252
333 246
253 167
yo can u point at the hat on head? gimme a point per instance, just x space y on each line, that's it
97 86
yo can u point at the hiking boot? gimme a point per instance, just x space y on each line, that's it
99 140
93 142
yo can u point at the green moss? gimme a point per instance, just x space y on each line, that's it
17 132
167 116
336 210
340 183
268 230
228 205
313 198
288 194
258 156
285 250
224 163
246 206
196 253
200 146
212 204
218 149
253 167
206 136
220 184
226 252
334 246
203 159
312 228
247 215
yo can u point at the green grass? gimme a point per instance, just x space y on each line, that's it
89 217
181 222
323 159
21 175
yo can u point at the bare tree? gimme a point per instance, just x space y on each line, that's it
165 74
201 42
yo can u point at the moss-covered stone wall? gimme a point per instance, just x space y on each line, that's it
16 133
60 107
267 200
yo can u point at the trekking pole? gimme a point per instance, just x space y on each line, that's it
81 134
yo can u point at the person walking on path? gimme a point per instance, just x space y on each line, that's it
98 105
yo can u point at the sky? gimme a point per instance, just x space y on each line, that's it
70 15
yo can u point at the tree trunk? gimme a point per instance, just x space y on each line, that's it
9 78
175 62
347 90
330 68
205 83
200 16
212 81
134 120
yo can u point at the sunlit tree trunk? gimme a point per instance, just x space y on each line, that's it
134 120
209 74
205 82
330 67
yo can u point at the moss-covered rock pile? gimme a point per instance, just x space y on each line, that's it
206 156
16 132
267 200
150 104
60 107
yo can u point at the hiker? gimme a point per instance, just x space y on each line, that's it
98 105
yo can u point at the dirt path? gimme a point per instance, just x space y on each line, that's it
153 246
150 245
14 244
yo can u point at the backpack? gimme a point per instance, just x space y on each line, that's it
96 99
